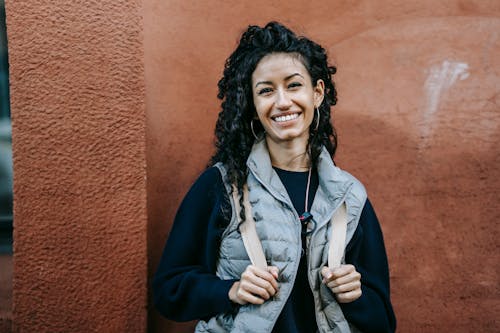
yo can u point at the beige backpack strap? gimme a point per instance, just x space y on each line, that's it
338 227
251 240
253 246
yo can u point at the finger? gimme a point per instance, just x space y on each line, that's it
343 270
248 297
351 277
326 273
257 285
257 290
349 296
266 274
267 280
274 271
351 286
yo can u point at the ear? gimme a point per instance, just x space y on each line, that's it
319 93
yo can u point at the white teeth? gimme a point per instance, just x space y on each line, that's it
287 117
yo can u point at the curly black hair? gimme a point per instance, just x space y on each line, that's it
234 138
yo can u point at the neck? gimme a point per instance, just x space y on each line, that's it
291 156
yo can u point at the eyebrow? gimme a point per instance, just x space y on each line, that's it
286 79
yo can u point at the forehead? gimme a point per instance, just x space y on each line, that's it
278 65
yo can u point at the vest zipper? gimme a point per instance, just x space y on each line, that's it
309 254
296 262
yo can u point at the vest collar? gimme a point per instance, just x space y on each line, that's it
333 183
259 164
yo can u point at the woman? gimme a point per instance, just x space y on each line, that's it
274 135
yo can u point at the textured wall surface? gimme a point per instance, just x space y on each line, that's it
78 111
418 122
5 293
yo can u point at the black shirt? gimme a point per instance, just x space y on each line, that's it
298 313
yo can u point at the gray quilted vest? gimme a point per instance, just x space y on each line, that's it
279 230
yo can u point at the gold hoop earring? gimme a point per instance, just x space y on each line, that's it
317 120
253 131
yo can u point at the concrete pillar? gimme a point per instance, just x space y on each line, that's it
78 113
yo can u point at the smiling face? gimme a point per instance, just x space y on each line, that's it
285 98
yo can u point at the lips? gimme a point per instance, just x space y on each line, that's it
285 117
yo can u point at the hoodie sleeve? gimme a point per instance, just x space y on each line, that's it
185 286
372 312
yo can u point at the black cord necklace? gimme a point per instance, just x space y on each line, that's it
307 217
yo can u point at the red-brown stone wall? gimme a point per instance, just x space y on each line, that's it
78 115
418 122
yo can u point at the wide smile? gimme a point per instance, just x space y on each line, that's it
286 117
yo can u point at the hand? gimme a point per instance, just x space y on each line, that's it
344 281
255 286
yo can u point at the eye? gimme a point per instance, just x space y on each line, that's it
294 85
264 91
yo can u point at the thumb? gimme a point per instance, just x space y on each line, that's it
274 271
326 272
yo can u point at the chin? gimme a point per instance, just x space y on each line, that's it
290 136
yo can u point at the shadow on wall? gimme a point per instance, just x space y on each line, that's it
418 123
436 205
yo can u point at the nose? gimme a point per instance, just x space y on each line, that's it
283 100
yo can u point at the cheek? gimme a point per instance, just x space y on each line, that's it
260 108
262 118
